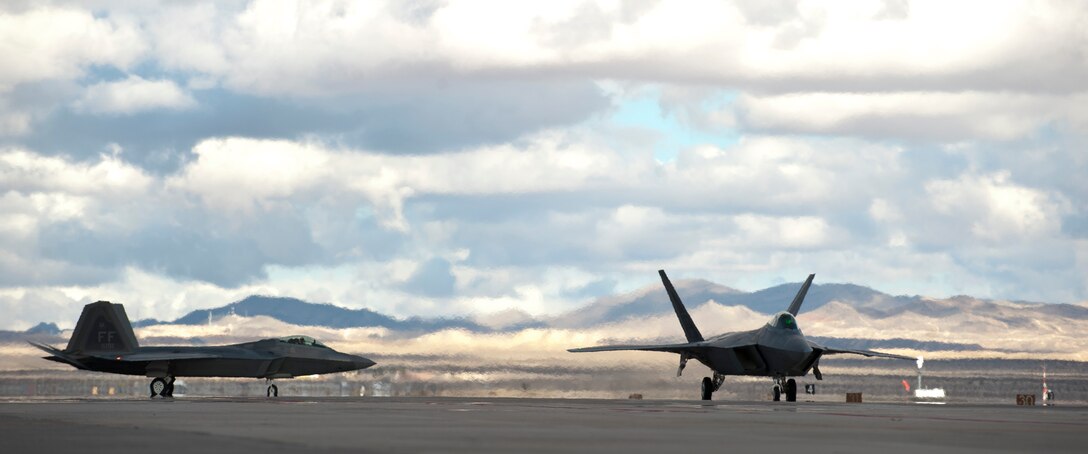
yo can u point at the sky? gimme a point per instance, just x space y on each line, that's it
440 158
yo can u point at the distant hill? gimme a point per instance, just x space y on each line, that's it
778 298
652 300
42 332
299 312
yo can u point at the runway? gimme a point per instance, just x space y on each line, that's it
528 425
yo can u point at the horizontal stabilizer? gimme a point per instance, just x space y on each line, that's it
58 355
45 348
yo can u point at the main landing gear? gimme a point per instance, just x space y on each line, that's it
163 387
273 391
787 387
710 385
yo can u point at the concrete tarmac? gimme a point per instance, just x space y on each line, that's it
426 424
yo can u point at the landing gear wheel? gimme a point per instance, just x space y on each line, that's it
776 393
708 388
273 391
169 390
158 386
791 390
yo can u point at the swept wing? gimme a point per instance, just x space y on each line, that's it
160 356
869 353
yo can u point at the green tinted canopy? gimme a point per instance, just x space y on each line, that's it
302 340
784 320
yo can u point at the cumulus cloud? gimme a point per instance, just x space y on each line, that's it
844 44
133 95
481 147
59 43
998 209
921 70
912 116
51 46
237 173
784 232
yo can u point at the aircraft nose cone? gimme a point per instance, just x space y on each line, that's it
361 363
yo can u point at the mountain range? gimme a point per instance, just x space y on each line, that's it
299 312
829 303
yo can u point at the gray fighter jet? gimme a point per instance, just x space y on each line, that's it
103 341
778 349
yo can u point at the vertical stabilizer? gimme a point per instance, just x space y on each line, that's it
102 327
690 331
795 306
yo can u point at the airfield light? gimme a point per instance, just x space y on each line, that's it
920 362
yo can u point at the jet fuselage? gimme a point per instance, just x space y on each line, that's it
268 358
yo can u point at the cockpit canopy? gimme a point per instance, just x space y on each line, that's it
783 320
302 340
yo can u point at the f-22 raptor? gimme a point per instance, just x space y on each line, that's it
778 349
103 341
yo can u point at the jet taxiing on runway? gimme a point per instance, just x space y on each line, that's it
778 349
103 341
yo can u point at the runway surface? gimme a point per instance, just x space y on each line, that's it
528 425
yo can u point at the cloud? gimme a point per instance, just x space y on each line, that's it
997 209
133 95
51 47
874 70
781 46
152 149
237 173
912 115
784 232
59 43
243 206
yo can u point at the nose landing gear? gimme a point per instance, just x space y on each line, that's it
272 391
783 386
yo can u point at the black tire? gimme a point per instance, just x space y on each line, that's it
273 391
791 390
158 386
708 388
776 393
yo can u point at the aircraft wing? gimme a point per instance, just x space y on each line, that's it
869 353
160 356
671 348
740 339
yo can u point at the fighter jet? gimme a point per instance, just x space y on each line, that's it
103 341
778 349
